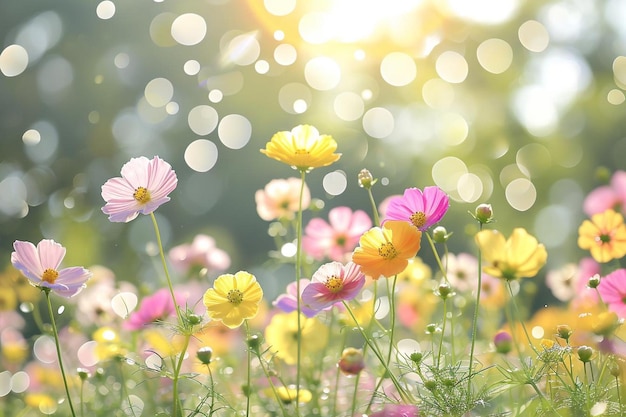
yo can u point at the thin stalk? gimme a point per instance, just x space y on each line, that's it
619 397
475 316
248 371
298 298
516 313
58 347
443 332
374 209
176 377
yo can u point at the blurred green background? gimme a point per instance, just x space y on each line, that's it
516 103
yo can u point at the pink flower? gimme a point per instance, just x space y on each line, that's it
288 302
280 199
338 239
612 289
421 209
462 271
612 196
585 297
331 283
153 308
201 253
397 410
143 187
41 266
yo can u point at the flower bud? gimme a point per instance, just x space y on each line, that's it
564 331
204 354
503 342
440 234
193 319
594 281
83 373
585 353
366 180
430 385
615 369
351 361
416 357
445 290
431 328
484 213
254 343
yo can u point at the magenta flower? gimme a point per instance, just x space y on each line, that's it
154 308
612 289
41 266
201 253
331 283
421 209
143 187
397 410
335 240
612 196
288 302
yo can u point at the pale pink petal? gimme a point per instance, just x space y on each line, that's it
135 172
339 218
599 200
26 259
50 254
360 223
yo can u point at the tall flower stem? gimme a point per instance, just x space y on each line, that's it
58 347
165 270
374 209
248 370
176 401
475 316
298 293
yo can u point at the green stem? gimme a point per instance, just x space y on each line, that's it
619 397
58 346
298 298
374 208
248 371
516 313
475 316
165 270
176 379
443 332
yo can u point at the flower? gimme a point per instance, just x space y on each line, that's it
563 282
604 236
303 148
143 187
154 308
41 266
612 196
612 289
518 257
289 394
461 271
233 298
351 361
281 334
421 209
288 302
280 199
201 253
331 283
385 251
338 239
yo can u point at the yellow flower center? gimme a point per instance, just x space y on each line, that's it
235 297
418 219
334 284
142 195
387 250
49 275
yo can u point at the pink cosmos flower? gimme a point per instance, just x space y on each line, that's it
462 271
41 266
153 308
612 196
421 209
337 239
331 283
397 410
201 253
288 302
612 289
143 187
280 198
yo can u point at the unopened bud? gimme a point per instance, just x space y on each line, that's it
440 234
416 357
254 343
594 281
445 290
205 354
366 180
564 331
83 373
503 341
484 213
585 353
351 361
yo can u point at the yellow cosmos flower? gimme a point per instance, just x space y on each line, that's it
385 251
282 336
303 148
604 236
233 298
287 395
521 256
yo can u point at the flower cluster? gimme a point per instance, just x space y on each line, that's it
366 326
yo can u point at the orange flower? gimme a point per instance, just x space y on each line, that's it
303 148
604 235
385 251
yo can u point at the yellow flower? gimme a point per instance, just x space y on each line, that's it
385 251
43 402
604 236
521 256
233 298
282 336
303 148
108 343
288 394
